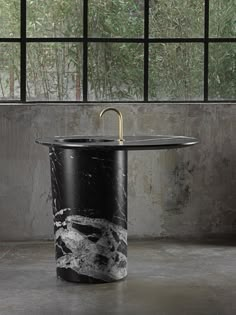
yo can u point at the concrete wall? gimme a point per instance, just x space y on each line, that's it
179 193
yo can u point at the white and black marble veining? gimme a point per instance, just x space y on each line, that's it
89 190
92 247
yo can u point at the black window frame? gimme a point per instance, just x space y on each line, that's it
85 40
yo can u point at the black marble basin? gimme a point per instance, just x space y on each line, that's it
157 142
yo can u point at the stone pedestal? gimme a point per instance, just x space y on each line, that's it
89 191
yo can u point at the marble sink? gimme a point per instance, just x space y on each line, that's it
89 192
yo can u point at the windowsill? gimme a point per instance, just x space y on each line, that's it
93 103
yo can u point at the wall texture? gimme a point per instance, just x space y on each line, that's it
179 193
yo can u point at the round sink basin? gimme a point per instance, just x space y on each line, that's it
82 140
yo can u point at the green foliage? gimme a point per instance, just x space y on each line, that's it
54 18
54 71
9 71
176 71
10 18
223 21
222 56
222 71
116 18
176 18
115 70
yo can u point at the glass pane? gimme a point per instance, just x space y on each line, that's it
176 72
115 72
54 71
222 18
10 18
9 71
222 71
176 18
116 18
54 18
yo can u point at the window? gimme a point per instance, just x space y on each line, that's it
117 50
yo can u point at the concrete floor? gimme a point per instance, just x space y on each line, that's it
165 278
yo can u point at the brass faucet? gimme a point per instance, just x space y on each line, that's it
121 129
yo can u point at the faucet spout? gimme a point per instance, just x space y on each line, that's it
121 128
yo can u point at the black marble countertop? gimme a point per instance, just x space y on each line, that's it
157 142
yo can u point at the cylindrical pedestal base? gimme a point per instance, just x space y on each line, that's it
89 191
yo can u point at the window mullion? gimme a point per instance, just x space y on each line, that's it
23 51
146 48
85 52
206 49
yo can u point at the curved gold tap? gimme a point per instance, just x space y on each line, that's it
121 128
